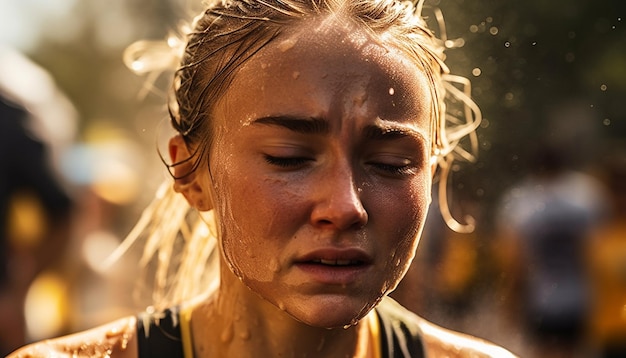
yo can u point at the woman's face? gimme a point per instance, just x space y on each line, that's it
321 171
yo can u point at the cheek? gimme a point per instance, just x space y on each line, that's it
255 214
228 191
404 206
405 213
416 206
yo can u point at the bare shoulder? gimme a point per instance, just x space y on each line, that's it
420 334
441 342
116 339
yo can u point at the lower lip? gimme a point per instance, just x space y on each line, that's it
333 275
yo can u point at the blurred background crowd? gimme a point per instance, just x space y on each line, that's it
543 274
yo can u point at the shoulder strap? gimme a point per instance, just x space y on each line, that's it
399 333
158 335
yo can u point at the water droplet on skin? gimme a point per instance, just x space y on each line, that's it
274 265
352 323
264 65
113 333
295 75
124 343
287 44
227 334
321 345
281 306
244 334
392 91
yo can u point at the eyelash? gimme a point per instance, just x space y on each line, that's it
286 162
395 170
296 162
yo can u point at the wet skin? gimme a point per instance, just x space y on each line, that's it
320 176
320 172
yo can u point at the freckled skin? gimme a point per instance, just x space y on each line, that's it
338 199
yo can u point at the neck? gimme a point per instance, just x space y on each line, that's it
236 322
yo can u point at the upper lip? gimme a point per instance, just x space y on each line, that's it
336 256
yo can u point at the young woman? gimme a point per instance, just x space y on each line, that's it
309 131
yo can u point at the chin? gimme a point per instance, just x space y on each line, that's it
331 312
330 321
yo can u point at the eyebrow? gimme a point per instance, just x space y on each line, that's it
377 132
305 125
313 125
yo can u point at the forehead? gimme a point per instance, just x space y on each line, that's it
327 64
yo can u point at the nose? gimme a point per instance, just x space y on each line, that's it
339 204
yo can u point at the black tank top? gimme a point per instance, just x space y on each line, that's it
159 335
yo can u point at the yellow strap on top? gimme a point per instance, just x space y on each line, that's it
185 330
375 334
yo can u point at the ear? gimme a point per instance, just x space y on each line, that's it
192 182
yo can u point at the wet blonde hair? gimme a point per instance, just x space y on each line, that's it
217 43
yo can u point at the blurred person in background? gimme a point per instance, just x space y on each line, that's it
545 225
607 253
35 208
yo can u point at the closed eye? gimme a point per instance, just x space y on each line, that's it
396 170
287 162
393 166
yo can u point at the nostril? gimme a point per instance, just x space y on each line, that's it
361 220
324 222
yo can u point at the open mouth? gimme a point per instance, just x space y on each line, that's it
332 267
334 271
